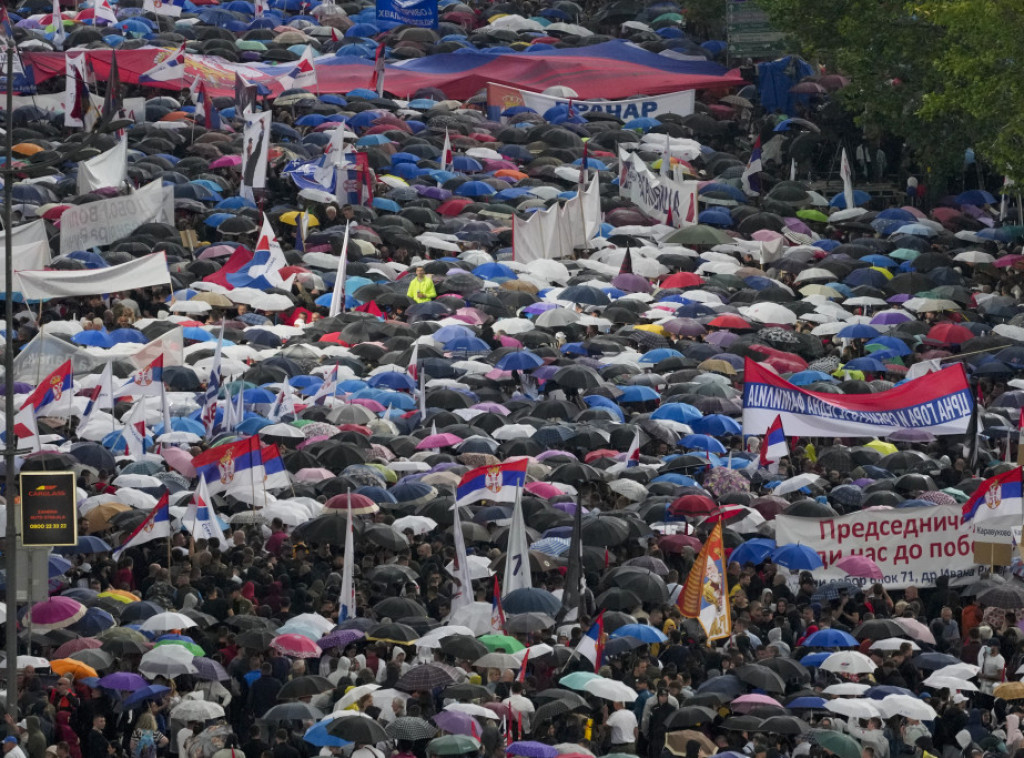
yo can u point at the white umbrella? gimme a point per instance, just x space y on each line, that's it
960 670
513 326
197 710
846 689
769 313
166 621
610 689
849 662
476 615
168 661
472 709
497 661
314 620
416 524
892 644
479 567
906 705
353 695
856 708
432 639
535 651
949 683
797 482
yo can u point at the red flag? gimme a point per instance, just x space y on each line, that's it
377 80
691 213
627 262
370 307
669 219
526 659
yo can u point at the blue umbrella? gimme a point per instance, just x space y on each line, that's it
475 189
93 338
520 360
807 701
599 401
87 543
681 412
642 632
830 638
466 165
858 332
803 378
638 393
797 558
393 380
860 197
140 696
93 622
867 363
753 551
703 442
494 271
814 660
717 425
468 345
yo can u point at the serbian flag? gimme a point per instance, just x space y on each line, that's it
25 429
377 80
522 667
414 365
51 389
146 382
205 109
591 644
170 69
497 612
751 179
220 465
706 594
998 498
156 525
446 152
499 484
774 446
633 455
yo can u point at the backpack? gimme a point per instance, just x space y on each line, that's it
145 746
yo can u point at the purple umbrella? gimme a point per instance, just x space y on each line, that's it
631 283
538 308
209 670
721 339
531 749
340 638
56 612
123 680
549 453
457 722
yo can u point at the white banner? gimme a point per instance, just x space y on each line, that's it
256 144
104 170
134 107
912 546
105 221
679 103
555 231
657 195
147 271
30 247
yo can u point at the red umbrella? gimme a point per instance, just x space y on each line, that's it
296 646
769 506
226 161
674 543
454 206
681 279
729 321
692 505
949 334
360 504
780 360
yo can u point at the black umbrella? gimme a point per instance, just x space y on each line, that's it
425 677
357 728
256 639
304 686
292 712
761 677
463 646
410 729
690 716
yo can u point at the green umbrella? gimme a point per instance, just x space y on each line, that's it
190 646
903 254
496 642
251 44
837 743
810 214
577 680
453 744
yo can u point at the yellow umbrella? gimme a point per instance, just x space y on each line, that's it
885 272
392 181
885 448
26 148
121 596
656 328
292 218
70 666
390 476
1010 691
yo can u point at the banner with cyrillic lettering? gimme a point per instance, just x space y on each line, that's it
939 403
663 199
421 13
502 97
912 546
106 221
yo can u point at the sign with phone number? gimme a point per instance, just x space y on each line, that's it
49 509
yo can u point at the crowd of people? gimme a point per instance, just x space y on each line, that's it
449 355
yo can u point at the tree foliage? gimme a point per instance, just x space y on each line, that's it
933 72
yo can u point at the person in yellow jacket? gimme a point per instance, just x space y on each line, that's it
421 288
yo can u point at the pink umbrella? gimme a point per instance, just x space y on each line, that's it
860 565
507 341
497 375
296 646
313 475
179 460
227 161
916 630
433 441
56 612
745 703
498 408
369 404
543 489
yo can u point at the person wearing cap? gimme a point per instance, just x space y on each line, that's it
12 749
